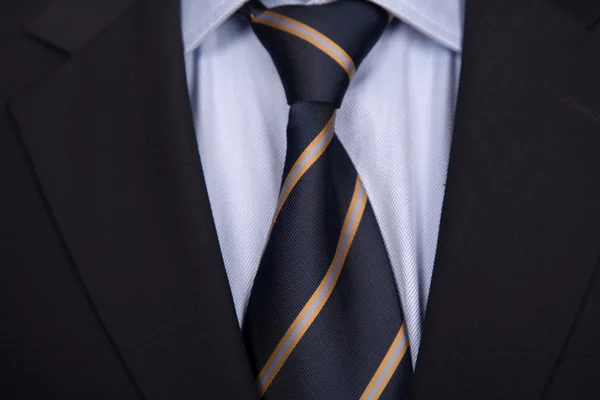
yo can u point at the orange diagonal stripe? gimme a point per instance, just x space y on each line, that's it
316 302
306 160
308 34
388 366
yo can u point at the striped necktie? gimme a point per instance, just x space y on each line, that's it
324 319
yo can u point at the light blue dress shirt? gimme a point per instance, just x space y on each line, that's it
395 123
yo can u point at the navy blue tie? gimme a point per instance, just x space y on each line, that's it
324 319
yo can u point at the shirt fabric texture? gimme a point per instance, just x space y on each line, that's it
395 123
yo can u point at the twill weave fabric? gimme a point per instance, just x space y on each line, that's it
324 319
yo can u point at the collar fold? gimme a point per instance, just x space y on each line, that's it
441 20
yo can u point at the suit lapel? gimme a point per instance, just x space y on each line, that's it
111 139
520 230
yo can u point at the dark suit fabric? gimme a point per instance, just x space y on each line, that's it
112 285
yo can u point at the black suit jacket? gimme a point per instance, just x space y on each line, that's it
112 285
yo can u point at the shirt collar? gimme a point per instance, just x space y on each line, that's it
441 20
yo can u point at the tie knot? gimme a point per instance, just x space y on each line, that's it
317 49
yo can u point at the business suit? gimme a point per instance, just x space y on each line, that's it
111 281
